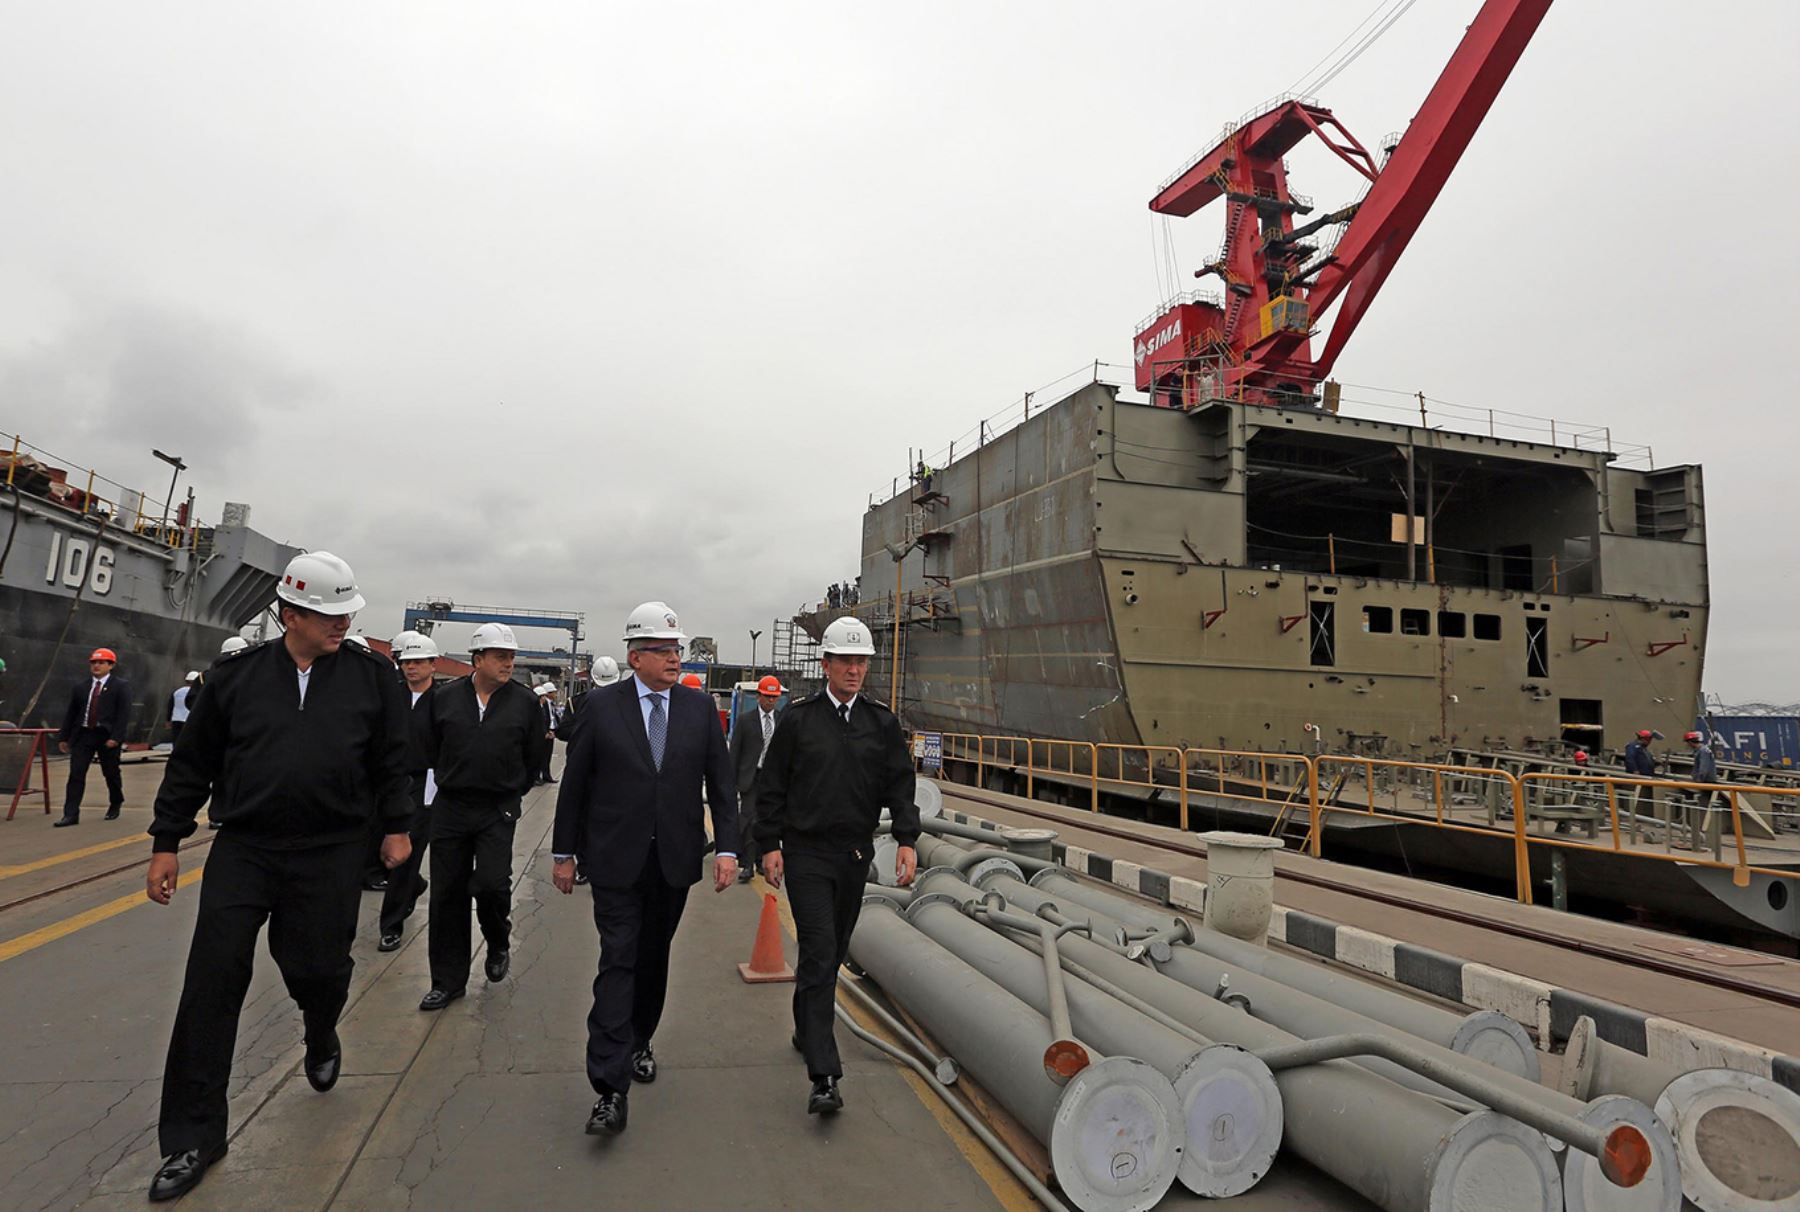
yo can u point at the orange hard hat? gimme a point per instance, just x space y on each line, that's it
1643 734
104 654
1581 757
1692 738
692 679
769 685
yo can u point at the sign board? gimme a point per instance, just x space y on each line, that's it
1398 529
929 748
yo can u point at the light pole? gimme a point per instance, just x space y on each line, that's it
754 636
175 462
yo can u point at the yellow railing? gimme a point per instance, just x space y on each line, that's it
154 528
1415 793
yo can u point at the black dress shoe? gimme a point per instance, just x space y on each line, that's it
499 963
643 1064
322 1064
389 942
437 999
745 875
64 821
182 1172
112 814
214 824
375 883
825 1097
581 877
608 1115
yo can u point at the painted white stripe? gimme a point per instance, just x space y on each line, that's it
1125 875
1278 924
1075 859
1688 1047
1361 949
1187 894
1520 998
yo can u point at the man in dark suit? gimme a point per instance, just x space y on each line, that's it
630 809
94 726
749 738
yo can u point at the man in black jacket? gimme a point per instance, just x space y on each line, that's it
749 736
836 760
94 727
630 809
485 744
417 657
300 744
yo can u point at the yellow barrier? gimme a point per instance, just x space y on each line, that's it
1149 779
1281 780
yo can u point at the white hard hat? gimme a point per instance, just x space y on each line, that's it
542 689
653 621
361 641
847 637
193 675
493 635
417 648
318 580
399 642
605 671
233 643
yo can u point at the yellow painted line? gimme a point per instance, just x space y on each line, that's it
136 839
15 947
1009 1193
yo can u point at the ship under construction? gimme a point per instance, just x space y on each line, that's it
1228 551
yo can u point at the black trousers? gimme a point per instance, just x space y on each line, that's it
471 858
405 883
90 743
825 891
636 925
309 900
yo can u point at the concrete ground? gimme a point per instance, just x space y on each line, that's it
479 1106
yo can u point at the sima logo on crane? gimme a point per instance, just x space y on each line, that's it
1153 343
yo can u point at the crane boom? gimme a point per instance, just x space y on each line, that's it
1254 342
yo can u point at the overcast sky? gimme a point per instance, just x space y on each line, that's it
574 305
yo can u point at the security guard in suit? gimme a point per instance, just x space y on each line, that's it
749 738
306 737
94 727
835 761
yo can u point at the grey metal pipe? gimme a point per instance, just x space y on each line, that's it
1007 1157
1113 1133
942 1066
900 896
1592 1067
1486 1035
1229 1099
1311 1017
936 851
1398 1148
1461 1078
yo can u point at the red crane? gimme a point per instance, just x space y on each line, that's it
1253 340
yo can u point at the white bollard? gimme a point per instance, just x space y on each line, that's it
1240 884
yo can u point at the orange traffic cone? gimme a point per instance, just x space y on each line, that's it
766 964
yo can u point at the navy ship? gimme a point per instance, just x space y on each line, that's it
86 563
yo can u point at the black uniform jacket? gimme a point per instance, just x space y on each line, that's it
111 714
613 799
286 775
418 737
484 759
747 745
824 783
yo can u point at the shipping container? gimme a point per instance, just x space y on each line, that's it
1758 740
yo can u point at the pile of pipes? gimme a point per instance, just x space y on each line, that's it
1141 1049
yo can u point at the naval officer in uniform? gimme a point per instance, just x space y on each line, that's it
307 739
836 759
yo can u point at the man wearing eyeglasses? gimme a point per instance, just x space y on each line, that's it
307 739
630 809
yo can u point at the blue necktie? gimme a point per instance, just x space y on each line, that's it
659 729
